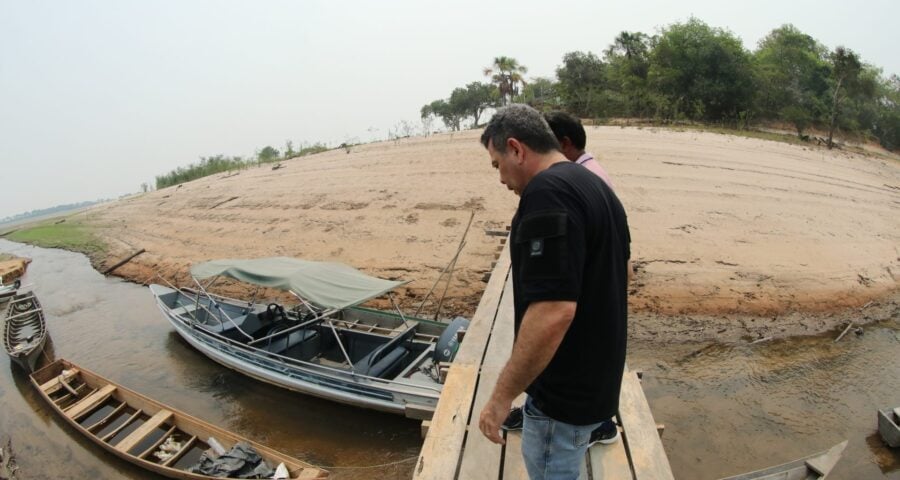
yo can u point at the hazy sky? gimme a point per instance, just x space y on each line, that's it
97 97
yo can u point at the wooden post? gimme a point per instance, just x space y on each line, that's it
843 333
123 262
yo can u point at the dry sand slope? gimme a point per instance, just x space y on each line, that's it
723 228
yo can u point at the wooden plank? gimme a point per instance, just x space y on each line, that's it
443 444
121 427
107 418
89 402
513 462
642 441
53 384
73 393
481 457
610 461
441 450
145 429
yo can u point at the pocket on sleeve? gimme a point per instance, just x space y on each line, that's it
541 238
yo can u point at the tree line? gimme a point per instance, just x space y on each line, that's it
221 163
691 71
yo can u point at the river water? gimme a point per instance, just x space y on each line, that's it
115 329
727 408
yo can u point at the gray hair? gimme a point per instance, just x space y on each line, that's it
523 123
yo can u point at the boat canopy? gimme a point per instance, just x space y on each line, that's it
324 284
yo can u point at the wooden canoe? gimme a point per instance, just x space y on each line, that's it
813 467
135 428
25 330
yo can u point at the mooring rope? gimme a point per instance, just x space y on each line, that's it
362 467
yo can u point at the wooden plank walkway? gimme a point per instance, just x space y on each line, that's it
454 446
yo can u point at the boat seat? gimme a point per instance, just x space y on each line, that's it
185 309
386 358
298 344
249 323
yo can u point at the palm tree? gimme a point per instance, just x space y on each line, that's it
507 74
630 45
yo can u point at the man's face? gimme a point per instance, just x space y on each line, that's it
568 149
506 163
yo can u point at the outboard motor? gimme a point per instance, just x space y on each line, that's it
447 344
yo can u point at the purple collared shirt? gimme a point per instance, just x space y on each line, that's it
588 162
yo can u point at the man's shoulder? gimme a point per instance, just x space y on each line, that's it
556 172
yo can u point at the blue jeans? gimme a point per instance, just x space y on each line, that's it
553 450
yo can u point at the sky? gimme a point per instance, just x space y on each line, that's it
98 97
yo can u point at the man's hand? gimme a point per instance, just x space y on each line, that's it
492 416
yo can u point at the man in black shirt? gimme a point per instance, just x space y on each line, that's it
569 252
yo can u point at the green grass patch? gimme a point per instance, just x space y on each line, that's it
67 235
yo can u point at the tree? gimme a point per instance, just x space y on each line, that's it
628 62
633 46
542 94
581 83
473 100
289 149
507 74
703 73
440 108
791 70
267 154
844 82
887 122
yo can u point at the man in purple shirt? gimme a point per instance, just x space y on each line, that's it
572 139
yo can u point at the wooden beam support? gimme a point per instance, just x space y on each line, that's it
145 429
88 403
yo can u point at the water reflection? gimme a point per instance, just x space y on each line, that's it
736 408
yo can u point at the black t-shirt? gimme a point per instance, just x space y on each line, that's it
571 242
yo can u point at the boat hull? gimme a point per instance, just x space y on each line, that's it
346 387
889 426
175 421
7 291
813 467
25 331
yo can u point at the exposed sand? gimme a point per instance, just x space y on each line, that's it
726 231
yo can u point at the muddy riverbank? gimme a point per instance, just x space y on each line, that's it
733 238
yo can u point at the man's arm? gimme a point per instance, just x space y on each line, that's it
542 330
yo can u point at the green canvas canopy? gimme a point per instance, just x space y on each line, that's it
324 284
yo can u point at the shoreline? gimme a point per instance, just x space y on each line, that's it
732 238
645 325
